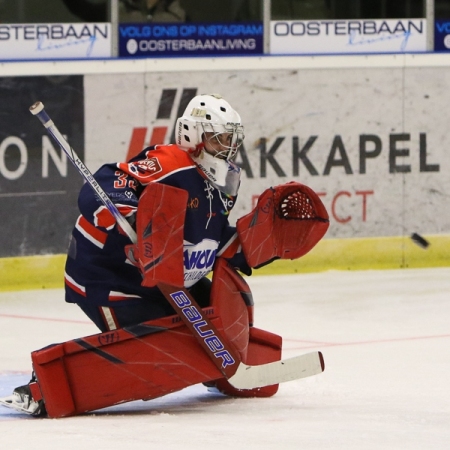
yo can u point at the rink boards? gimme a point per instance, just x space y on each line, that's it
368 133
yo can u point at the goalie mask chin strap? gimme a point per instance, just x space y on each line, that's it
223 175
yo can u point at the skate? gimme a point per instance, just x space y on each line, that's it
21 400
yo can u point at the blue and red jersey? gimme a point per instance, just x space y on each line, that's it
97 267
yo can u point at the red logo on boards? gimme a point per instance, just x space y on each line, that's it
172 104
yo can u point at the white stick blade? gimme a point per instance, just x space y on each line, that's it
249 377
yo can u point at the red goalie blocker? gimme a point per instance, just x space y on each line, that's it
287 222
159 228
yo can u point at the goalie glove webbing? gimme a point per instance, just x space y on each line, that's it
287 222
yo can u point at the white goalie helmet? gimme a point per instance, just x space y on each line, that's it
212 118
209 114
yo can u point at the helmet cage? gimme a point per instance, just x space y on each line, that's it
229 144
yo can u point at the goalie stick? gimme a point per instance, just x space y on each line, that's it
239 375
37 109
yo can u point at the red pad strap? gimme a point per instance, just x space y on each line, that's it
159 228
287 222
35 391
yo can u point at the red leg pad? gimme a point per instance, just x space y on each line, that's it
232 299
141 362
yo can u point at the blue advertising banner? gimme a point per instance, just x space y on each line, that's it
442 35
196 39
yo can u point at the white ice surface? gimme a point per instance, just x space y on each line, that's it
385 336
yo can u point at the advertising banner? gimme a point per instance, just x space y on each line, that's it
442 35
55 41
150 40
38 185
347 36
371 141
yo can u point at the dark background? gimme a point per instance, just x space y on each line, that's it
36 213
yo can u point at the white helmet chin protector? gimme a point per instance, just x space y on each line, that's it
213 115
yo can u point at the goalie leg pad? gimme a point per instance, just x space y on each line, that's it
144 361
231 297
287 222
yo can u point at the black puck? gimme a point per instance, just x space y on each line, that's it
419 240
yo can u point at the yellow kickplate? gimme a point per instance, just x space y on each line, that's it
366 253
32 272
47 271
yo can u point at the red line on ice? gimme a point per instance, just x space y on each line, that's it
48 319
315 344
